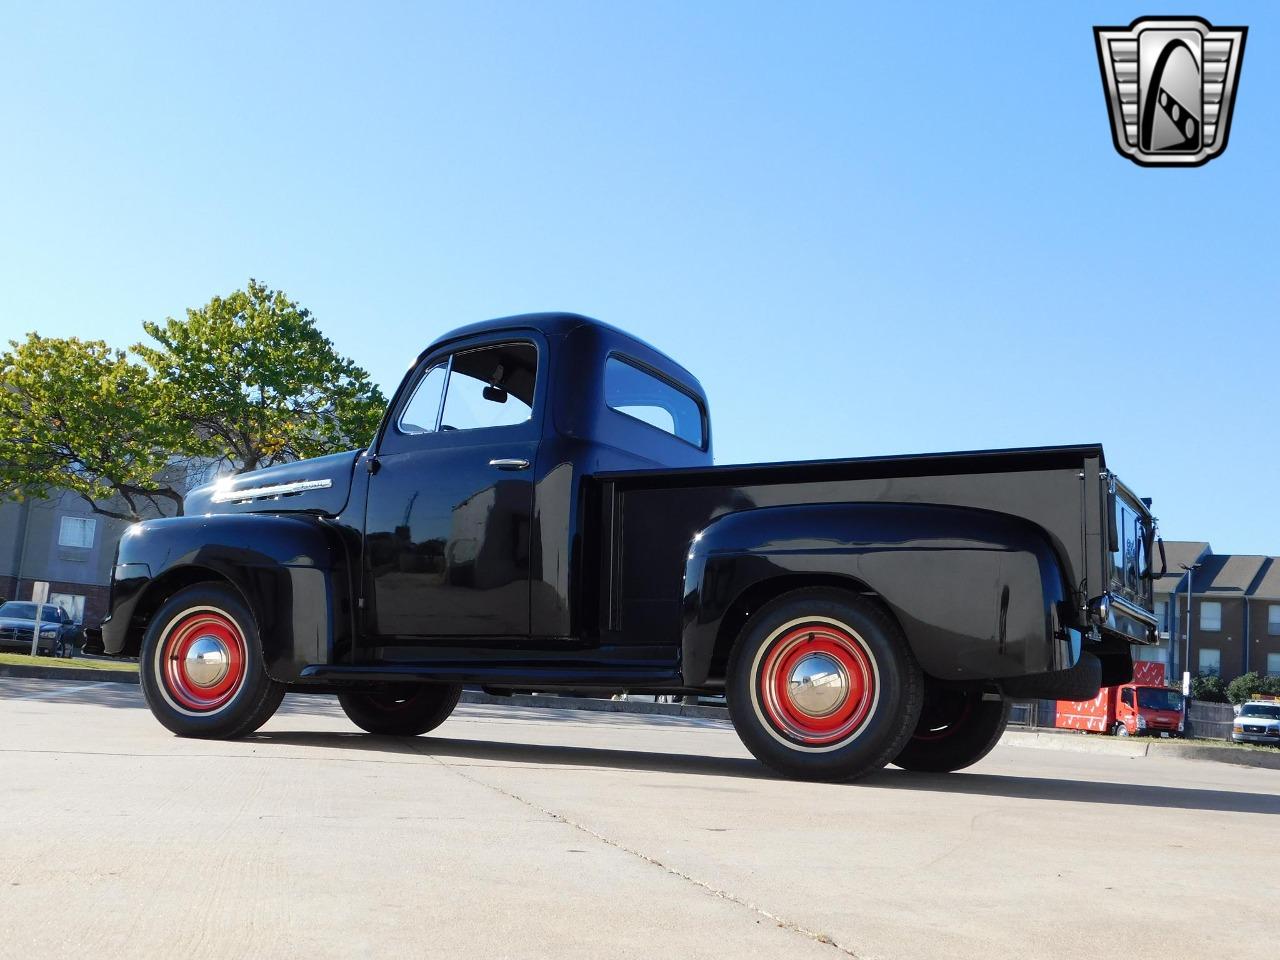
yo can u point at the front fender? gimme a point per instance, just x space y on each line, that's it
978 594
291 570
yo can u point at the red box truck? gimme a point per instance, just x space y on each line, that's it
1144 706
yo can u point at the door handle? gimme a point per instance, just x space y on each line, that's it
510 464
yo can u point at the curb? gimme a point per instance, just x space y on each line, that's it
68 673
1133 747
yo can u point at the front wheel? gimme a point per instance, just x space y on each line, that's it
201 667
401 711
823 686
958 726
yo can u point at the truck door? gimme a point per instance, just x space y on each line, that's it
446 550
1126 712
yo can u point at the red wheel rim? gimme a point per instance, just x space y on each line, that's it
202 661
816 683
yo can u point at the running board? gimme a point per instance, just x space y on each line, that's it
490 675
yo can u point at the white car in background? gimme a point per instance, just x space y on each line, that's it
1257 722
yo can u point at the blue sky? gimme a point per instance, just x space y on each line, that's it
868 229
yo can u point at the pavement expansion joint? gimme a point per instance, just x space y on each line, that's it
702 885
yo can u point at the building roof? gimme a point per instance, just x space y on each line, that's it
1268 585
1227 574
1178 552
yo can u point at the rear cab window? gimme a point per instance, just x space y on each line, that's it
633 391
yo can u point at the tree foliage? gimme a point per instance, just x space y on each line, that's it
257 382
1208 687
1248 685
79 415
246 380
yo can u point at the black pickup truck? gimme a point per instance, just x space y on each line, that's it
539 511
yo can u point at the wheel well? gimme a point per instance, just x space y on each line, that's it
157 592
758 594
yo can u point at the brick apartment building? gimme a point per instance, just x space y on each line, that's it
1235 612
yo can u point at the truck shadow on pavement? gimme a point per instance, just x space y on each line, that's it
539 755
533 755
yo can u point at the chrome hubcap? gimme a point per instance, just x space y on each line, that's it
818 685
207 661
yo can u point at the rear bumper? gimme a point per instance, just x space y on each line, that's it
1120 616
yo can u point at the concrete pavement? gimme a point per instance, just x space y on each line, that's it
517 832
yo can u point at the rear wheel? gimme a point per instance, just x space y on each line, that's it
201 667
822 685
401 711
959 725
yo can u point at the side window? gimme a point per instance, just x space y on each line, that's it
639 394
423 410
490 387
1127 697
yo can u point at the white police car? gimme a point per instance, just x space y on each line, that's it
1257 722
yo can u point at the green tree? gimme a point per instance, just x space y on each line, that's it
1247 686
1244 687
1209 688
256 382
79 415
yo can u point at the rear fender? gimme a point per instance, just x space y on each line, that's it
291 571
978 594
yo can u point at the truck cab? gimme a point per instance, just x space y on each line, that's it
1142 710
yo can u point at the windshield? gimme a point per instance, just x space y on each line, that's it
19 611
27 611
1158 698
1261 710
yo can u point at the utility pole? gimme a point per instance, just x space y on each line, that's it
1186 659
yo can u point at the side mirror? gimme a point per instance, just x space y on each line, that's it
495 394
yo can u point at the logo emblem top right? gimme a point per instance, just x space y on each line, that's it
1170 85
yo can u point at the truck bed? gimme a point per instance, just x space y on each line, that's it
647 517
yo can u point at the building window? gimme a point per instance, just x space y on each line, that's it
1273 619
1210 662
1162 616
1273 664
1155 653
72 605
1210 615
76 532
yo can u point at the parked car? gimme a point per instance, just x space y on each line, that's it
58 632
539 510
1257 722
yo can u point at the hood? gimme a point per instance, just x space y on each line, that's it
321 485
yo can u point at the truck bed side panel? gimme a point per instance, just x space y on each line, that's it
653 516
